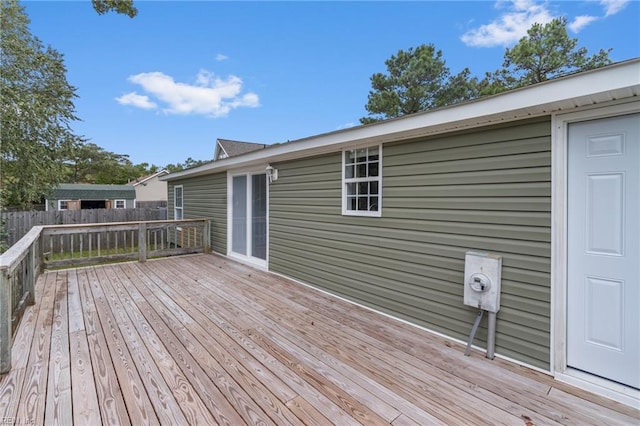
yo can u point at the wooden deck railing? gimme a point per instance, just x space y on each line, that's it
80 245
76 245
19 269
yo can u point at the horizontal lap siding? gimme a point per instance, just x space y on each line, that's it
486 191
205 197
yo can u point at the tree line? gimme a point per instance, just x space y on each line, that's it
418 79
39 149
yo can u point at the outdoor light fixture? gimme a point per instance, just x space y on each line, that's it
272 173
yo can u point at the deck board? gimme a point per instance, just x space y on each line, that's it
204 340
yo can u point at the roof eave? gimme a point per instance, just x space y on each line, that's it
606 84
163 171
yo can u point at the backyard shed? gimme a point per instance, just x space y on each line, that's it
546 176
79 196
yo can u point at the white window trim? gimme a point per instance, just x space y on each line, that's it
60 204
345 211
559 246
115 204
176 208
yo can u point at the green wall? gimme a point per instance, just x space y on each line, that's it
486 190
205 197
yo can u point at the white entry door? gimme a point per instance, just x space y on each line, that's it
603 293
248 218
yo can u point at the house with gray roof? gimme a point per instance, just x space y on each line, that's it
547 177
78 196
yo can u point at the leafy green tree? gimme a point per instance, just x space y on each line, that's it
124 7
416 80
188 164
546 52
36 111
89 163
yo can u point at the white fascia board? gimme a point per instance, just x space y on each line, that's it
163 171
585 88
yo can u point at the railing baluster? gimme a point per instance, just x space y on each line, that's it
142 242
5 321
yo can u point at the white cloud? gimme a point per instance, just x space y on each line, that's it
579 22
511 26
210 95
612 7
139 101
220 57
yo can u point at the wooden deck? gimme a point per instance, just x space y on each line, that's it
204 340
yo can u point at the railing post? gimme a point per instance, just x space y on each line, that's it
32 271
142 242
5 321
206 236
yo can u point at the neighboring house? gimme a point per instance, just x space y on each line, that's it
77 196
546 176
150 188
227 148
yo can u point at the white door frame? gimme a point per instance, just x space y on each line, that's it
559 191
253 261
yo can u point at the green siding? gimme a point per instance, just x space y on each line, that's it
205 197
487 190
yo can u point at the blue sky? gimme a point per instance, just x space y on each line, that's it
164 85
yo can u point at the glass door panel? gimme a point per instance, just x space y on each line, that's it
259 216
239 215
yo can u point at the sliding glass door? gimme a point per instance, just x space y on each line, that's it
248 217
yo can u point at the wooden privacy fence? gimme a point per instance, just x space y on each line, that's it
17 224
80 245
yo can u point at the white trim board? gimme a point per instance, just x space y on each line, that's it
559 244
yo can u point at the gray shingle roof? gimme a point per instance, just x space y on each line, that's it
233 148
85 191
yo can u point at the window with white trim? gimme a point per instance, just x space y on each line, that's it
63 204
362 181
177 203
120 204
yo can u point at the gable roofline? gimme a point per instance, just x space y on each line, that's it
216 152
232 148
143 179
616 81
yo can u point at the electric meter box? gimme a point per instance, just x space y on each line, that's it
482 274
